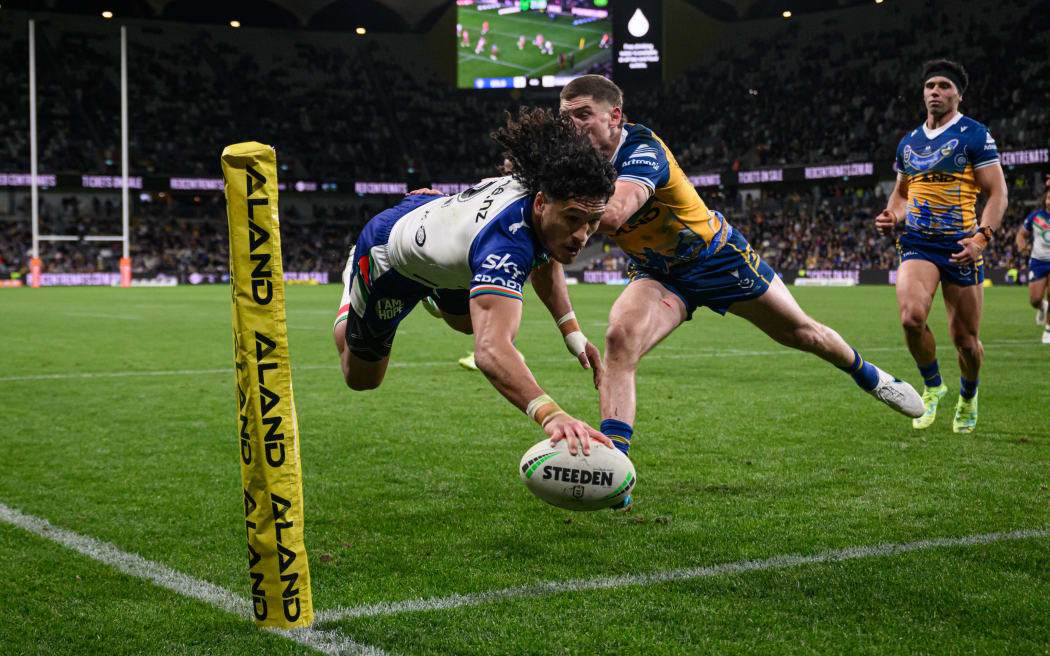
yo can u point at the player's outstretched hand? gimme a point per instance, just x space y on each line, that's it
591 358
564 427
426 191
885 223
971 250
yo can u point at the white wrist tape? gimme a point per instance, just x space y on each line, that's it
566 317
576 342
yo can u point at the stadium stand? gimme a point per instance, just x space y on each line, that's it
371 109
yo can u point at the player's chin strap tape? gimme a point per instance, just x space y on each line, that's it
570 329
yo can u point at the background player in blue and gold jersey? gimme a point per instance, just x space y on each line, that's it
683 256
941 167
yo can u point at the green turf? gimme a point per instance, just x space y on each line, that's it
747 450
504 32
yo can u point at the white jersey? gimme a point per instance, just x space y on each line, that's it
1038 223
481 239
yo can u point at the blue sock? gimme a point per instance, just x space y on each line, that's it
864 374
931 374
619 432
968 389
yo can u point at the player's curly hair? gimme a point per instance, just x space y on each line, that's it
545 152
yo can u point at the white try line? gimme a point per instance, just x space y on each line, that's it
669 576
327 641
694 354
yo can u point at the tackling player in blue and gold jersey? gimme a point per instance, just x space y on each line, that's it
682 256
942 165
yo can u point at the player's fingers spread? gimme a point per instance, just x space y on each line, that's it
600 437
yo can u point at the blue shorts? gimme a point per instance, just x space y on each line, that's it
1038 269
376 298
735 273
910 247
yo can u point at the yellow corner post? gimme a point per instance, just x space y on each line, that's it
271 473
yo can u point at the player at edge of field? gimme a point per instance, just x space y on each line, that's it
941 167
682 256
473 252
1037 227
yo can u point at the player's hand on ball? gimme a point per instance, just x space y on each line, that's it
564 427
591 358
885 223
426 191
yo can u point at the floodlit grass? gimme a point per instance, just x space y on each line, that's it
504 32
745 449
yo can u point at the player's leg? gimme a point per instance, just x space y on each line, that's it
777 313
644 314
1037 296
964 305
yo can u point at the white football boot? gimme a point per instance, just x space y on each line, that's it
1040 314
898 394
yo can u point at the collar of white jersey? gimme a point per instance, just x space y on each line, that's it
933 134
623 138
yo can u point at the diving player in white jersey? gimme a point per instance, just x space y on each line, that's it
1037 228
472 253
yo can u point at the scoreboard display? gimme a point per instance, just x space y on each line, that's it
515 44
638 41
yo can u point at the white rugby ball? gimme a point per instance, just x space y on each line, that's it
577 482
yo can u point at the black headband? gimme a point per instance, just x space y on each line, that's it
948 73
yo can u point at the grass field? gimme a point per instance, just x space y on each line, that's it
771 490
504 32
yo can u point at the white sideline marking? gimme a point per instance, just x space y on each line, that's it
451 361
326 642
668 576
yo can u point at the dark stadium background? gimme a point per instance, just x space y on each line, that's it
744 90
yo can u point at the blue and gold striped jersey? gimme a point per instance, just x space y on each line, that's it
674 225
940 169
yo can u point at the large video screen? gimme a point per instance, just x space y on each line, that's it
513 44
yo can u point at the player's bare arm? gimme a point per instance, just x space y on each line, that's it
993 185
496 320
896 208
628 199
549 283
1021 242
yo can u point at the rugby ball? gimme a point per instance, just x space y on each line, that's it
577 482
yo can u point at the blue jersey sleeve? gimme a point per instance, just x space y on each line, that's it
1029 220
502 255
900 157
642 159
981 149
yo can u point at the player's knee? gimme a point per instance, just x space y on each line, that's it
359 384
621 340
912 320
807 337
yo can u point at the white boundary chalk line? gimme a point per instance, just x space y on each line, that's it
330 642
451 361
668 576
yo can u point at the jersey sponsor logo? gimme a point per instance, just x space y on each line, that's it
924 162
388 308
637 162
644 152
514 227
500 281
421 236
937 177
502 263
